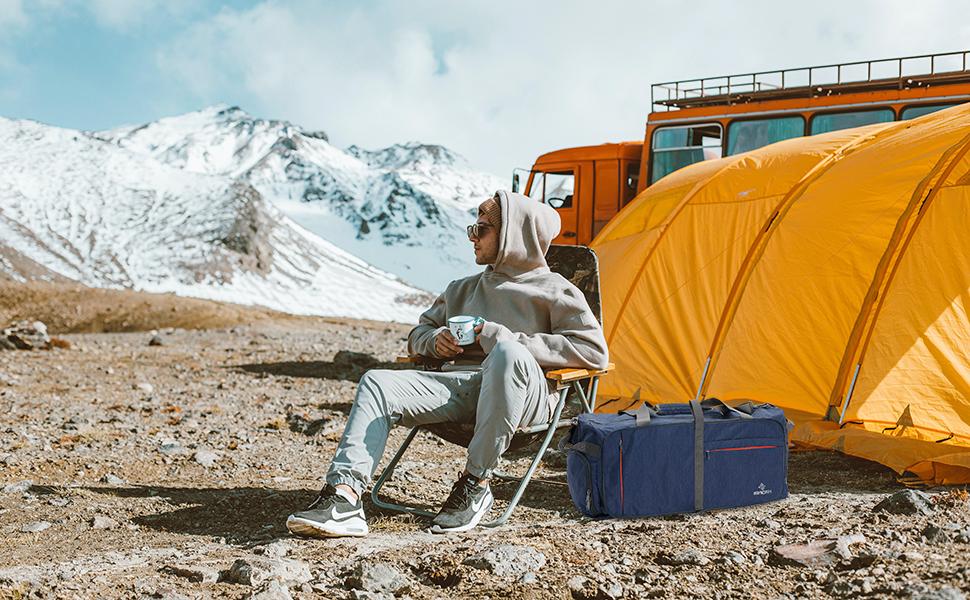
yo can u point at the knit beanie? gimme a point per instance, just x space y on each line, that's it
492 211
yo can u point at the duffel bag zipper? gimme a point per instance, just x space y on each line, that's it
621 474
589 483
737 449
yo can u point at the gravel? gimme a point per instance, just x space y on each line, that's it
270 402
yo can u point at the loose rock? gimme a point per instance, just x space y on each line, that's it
685 557
581 588
271 591
206 458
277 549
508 560
906 502
933 534
102 522
170 448
26 335
257 570
156 340
944 593
365 595
611 590
18 487
112 479
377 577
35 527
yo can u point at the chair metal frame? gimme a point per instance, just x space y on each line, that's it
566 380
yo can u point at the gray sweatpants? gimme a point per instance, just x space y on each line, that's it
509 391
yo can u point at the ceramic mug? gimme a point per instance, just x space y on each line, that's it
463 328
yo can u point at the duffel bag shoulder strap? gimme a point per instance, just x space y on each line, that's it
698 411
588 448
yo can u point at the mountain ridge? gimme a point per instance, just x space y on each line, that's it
312 181
75 206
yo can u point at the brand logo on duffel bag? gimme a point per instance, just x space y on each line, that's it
762 490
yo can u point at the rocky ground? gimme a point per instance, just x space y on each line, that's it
166 470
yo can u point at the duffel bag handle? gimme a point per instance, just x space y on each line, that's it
745 410
642 414
647 411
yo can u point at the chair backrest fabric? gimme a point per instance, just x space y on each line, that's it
580 266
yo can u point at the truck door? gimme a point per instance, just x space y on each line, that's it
556 186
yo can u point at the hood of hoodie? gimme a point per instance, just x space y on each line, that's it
528 228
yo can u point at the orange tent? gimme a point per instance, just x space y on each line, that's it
828 275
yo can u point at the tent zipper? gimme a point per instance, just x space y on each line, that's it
621 474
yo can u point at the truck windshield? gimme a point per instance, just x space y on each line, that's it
553 186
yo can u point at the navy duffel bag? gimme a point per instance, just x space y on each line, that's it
677 458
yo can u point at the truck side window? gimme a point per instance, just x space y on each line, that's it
631 181
911 112
755 133
555 189
824 123
676 147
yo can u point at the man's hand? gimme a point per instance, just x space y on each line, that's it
445 345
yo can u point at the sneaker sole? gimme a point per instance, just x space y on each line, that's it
470 525
309 528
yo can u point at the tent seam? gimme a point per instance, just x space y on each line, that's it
756 250
871 308
664 228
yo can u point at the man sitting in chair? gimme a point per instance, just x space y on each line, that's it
533 319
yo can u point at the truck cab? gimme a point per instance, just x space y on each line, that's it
587 185
703 119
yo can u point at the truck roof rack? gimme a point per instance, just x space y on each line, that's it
810 82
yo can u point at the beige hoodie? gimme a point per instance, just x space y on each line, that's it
520 298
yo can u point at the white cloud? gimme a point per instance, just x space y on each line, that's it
12 14
501 82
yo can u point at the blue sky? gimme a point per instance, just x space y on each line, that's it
497 81
90 67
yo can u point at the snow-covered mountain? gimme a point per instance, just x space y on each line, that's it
82 207
402 209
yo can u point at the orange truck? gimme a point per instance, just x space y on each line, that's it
703 119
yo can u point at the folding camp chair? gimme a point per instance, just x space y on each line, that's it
578 264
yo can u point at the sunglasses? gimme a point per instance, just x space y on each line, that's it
475 231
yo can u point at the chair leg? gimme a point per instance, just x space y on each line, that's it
501 475
582 396
386 476
533 466
594 387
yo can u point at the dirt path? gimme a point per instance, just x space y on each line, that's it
131 470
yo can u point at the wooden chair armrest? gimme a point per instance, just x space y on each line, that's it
557 375
567 375
425 362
